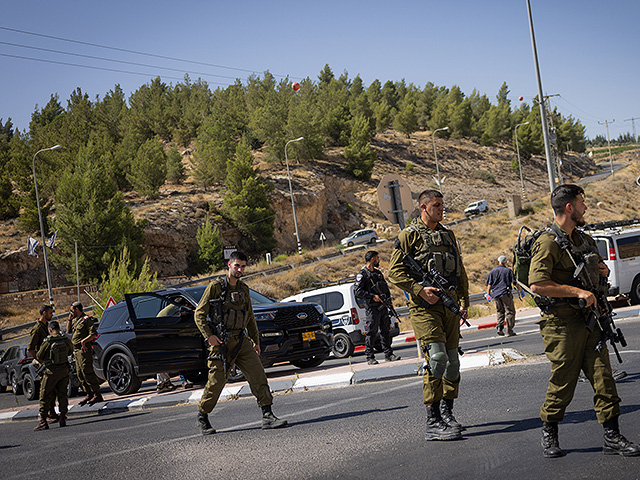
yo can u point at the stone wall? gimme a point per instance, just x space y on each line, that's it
63 297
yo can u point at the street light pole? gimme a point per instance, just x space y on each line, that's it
518 153
435 154
293 205
44 246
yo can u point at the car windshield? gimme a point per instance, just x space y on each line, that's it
256 298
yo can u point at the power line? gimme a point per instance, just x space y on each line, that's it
165 57
574 106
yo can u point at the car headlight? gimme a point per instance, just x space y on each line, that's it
270 334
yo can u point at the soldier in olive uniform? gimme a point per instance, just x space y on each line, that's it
436 327
243 349
84 333
569 346
38 333
54 353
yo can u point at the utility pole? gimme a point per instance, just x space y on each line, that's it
607 122
633 125
553 140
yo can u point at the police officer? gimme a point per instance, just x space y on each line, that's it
436 327
369 285
84 333
569 346
243 348
38 333
53 353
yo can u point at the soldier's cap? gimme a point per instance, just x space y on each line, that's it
502 259
77 305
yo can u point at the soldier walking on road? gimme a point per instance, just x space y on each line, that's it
370 286
569 346
436 328
84 333
499 283
240 348
39 332
53 354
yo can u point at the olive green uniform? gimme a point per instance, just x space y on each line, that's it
55 379
437 249
569 346
237 316
82 327
37 335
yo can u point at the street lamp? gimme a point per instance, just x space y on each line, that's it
44 246
293 205
433 135
518 152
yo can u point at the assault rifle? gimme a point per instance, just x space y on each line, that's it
432 278
602 313
386 301
219 330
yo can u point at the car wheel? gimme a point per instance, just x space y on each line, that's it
196 376
310 362
15 386
3 388
373 240
30 387
635 291
342 345
350 244
121 375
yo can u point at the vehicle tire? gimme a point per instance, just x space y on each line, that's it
342 345
350 244
3 388
121 375
30 387
15 385
235 375
196 376
373 240
310 362
635 291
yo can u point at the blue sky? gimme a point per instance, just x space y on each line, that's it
588 50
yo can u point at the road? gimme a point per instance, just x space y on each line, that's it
371 430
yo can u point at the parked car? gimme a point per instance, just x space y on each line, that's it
476 208
140 336
18 372
619 245
347 315
360 237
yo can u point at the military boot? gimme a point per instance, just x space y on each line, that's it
446 412
437 429
96 398
615 443
203 422
43 425
550 444
269 420
63 420
86 399
52 416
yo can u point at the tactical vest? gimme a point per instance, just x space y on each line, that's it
234 312
438 252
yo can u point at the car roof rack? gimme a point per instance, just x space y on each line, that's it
317 285
612 225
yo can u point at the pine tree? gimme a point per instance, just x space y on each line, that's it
406 120
210 251
149 169
359 154
175 168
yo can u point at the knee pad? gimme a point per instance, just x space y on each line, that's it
438 359
452 370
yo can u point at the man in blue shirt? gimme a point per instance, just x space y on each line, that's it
499 284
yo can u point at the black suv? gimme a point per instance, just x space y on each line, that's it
147 333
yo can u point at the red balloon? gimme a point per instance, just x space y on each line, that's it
295 86
520 98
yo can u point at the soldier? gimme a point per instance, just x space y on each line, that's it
569 346
38 333
54 353
369 286
242 349
435 327
84 333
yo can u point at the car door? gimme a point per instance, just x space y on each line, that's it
167 338
629 260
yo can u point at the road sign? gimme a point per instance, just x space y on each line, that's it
227 251
110 302
394 197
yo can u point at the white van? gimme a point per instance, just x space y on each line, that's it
476 208
347 315
619 244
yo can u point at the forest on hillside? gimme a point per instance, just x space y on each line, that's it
115 144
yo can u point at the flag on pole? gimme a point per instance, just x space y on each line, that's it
32 243
52 239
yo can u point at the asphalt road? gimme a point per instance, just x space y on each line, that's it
373 430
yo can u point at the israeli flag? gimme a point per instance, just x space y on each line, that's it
32 243
52 239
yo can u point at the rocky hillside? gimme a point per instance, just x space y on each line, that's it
327 199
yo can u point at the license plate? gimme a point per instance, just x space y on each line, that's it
308 336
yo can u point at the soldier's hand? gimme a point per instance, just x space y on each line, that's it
214 341
430 294
603 270
376 298
257 349
588 297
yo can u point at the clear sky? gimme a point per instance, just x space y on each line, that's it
588 50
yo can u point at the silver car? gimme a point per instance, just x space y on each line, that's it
358 237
